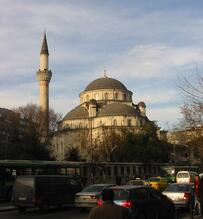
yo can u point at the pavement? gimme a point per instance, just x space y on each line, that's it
6 206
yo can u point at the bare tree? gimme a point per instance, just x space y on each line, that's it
32 114
111 140
192 111
192 88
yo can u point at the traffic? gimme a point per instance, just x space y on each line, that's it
154 197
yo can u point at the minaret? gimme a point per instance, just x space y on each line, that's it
44 77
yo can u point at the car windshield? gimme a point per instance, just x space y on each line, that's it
177 187
93 188
182 175
25 182
120 194
153 179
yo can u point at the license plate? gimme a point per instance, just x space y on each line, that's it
174 198
22 198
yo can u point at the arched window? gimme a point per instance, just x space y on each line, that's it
124 96
114 122
100 123
106 96
80 125
116 96
87 97
129 122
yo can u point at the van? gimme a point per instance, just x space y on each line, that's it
44 191
186 176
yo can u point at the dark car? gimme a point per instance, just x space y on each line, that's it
182 194
143 202
44 191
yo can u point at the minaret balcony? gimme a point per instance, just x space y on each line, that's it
44 75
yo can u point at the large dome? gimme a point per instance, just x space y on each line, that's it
105 83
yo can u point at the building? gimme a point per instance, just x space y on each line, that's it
105 105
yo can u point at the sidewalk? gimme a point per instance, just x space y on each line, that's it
6 206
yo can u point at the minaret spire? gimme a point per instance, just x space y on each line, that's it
44 76
44 49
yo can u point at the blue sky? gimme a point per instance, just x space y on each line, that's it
148 45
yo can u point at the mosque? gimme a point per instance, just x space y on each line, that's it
106 105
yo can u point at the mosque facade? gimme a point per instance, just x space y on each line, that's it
106 105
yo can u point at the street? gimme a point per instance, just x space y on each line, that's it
65 213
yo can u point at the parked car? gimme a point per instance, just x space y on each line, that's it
88 197
143 202
137 182
182 194
44 191
186 176
158 183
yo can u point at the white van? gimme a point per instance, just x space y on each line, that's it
186 176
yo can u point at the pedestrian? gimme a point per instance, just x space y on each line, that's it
197 196
109 210
201 195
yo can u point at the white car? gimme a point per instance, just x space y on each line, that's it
88 197
182 194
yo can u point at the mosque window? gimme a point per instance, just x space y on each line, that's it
87 97
114 122
116 96
100 123
129 122
106 96
80 125
124 96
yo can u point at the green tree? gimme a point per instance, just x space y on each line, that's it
142 147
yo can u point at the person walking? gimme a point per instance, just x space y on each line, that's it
109 210
201 194
197 196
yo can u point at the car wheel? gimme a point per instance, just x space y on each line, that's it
45 207
21 209
141 216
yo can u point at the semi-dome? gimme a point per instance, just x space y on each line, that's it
118 109
79 112
105 83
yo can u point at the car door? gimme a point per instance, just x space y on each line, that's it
142 203
160 204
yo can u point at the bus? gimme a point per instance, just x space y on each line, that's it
9 169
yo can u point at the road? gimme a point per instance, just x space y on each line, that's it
65 213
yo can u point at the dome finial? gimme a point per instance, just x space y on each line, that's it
105 76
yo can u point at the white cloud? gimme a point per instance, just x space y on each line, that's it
147 61
156 96
165 117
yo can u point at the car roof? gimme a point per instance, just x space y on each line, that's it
181 184
129 187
